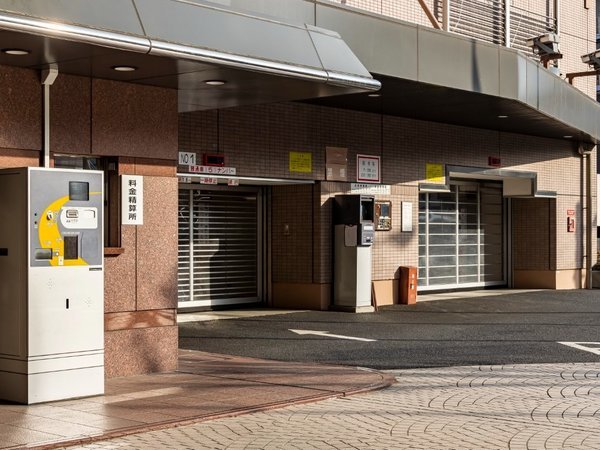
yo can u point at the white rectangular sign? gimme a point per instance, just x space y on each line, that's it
367 169
187 159
213 170
407 216
132 200
370 189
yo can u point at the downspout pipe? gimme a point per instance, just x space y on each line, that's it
589 223
48 78
586 152
557 13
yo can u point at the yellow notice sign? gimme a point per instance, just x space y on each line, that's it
301 162
434 173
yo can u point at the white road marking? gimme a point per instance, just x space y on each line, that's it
585 346
336 336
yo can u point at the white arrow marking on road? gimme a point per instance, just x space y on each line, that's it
584 346
337 336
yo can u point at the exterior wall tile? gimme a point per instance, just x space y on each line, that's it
133 120
532 233
157 246
20 109
292 234
140 350
70 112
155 167
119 275
18 158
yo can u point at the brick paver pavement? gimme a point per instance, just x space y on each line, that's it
515 407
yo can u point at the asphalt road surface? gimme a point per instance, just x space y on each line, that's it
506 329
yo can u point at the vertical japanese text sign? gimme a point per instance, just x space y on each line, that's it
132 200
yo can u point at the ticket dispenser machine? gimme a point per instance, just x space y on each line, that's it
354 235
51 284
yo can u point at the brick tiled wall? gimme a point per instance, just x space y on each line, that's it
257 140
578 37
410 11
533 237
292 234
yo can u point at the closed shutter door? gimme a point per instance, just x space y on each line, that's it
461 237
218 248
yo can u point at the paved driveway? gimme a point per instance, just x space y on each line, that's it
514 328
483 407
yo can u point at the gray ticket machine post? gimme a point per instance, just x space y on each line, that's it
354 235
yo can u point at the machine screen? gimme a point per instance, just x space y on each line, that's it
79 190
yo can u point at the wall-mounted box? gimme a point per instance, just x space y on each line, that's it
383 215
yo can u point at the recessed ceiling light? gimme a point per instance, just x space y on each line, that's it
374 95
568 136
502 117
215 82
124 68
16 51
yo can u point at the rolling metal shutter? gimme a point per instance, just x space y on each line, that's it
218 247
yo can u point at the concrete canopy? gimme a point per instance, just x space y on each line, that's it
443 77
180 44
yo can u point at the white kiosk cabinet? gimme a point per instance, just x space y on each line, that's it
51 284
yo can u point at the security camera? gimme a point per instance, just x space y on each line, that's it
546 46
592 59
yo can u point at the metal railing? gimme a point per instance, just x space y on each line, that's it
494 21
479 19
525 25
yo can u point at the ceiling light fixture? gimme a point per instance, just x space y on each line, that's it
16 51
568 136
215 82
374 95
124 68
502 117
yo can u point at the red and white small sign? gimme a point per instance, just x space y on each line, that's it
368 169
570 212
208 180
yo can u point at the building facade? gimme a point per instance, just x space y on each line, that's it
484 156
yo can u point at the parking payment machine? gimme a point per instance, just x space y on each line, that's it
354 235
51 284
